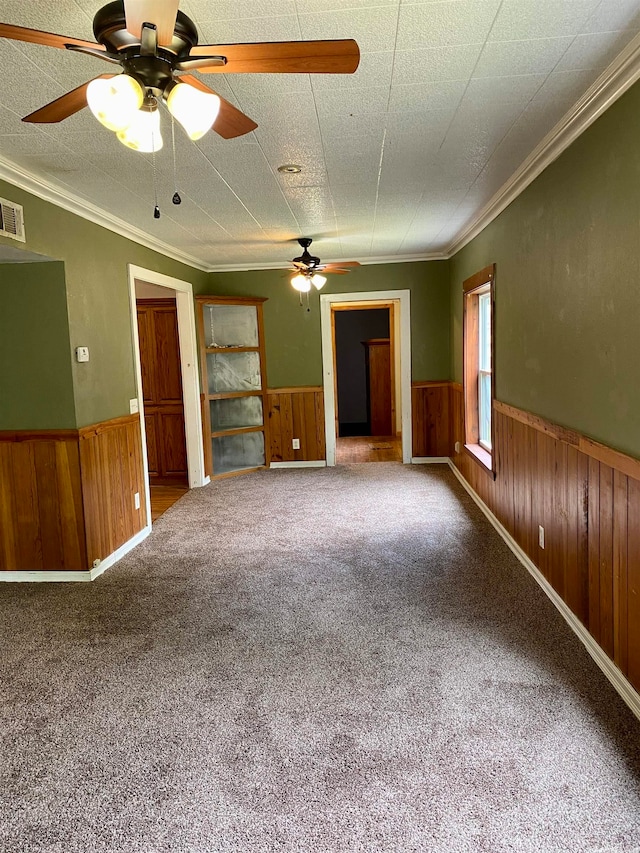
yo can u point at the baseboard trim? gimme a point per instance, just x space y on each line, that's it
309 463
621 685
86 577
429 460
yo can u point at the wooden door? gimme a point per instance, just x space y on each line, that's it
379 385
162 391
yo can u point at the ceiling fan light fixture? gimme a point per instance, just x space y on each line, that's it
114 102
318 281
301 283
143 133
196 111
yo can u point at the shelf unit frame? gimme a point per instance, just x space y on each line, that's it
206 397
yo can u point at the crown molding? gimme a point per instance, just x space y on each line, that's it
378 259
623 72
32 183
614 81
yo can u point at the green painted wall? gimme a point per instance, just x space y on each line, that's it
294 355
36 385
568 285
95 265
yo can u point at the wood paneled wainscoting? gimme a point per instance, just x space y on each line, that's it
112 473
430 422
296 413
586 496
67 496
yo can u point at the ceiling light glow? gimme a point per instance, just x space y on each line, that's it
196 111
114 102
143 133
301 282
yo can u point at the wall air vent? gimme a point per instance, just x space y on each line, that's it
11 220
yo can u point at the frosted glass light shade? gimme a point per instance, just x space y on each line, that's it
318 280
114 102
196 111
143 133
301 282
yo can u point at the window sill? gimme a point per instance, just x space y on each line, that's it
482 457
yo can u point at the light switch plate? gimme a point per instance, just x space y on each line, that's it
133 406
295 443
82 354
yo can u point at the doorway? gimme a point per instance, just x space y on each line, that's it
165 290
162 395
380 344
364 348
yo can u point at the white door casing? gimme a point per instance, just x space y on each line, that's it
402 299
188 367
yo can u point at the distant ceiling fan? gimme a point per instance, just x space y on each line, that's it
154 43
309 269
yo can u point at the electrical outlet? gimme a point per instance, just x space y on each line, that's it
82 354
541 536
136 500
457 447
295 443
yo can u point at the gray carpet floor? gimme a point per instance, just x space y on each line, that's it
316 660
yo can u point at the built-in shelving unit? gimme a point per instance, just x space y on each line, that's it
233 383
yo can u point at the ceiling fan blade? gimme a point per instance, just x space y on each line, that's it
162 13
64 106
342 264
7 31
335 272
231 122
339 56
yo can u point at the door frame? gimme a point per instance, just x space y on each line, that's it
374 299
185 312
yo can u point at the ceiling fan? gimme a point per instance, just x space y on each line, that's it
309 269
154 43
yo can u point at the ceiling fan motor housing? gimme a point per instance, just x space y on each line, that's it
110 29
306 258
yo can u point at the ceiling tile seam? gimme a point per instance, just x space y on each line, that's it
115 180
85 13
511 126
41 74
47 190
488 160
322 141
612 83
229 187
384 133
277 182
239 100
453 118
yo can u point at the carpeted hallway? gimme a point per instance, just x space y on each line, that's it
326 660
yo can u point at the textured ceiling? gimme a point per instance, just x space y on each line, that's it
449 99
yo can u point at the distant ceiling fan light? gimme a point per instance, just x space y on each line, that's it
301 282
196 111
114 102
143 133
318 281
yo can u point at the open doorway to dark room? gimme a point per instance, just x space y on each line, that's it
355 329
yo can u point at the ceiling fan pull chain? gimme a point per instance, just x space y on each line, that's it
156 208
176 195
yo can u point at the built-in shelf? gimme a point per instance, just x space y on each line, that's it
233 384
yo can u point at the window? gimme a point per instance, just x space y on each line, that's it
478 366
